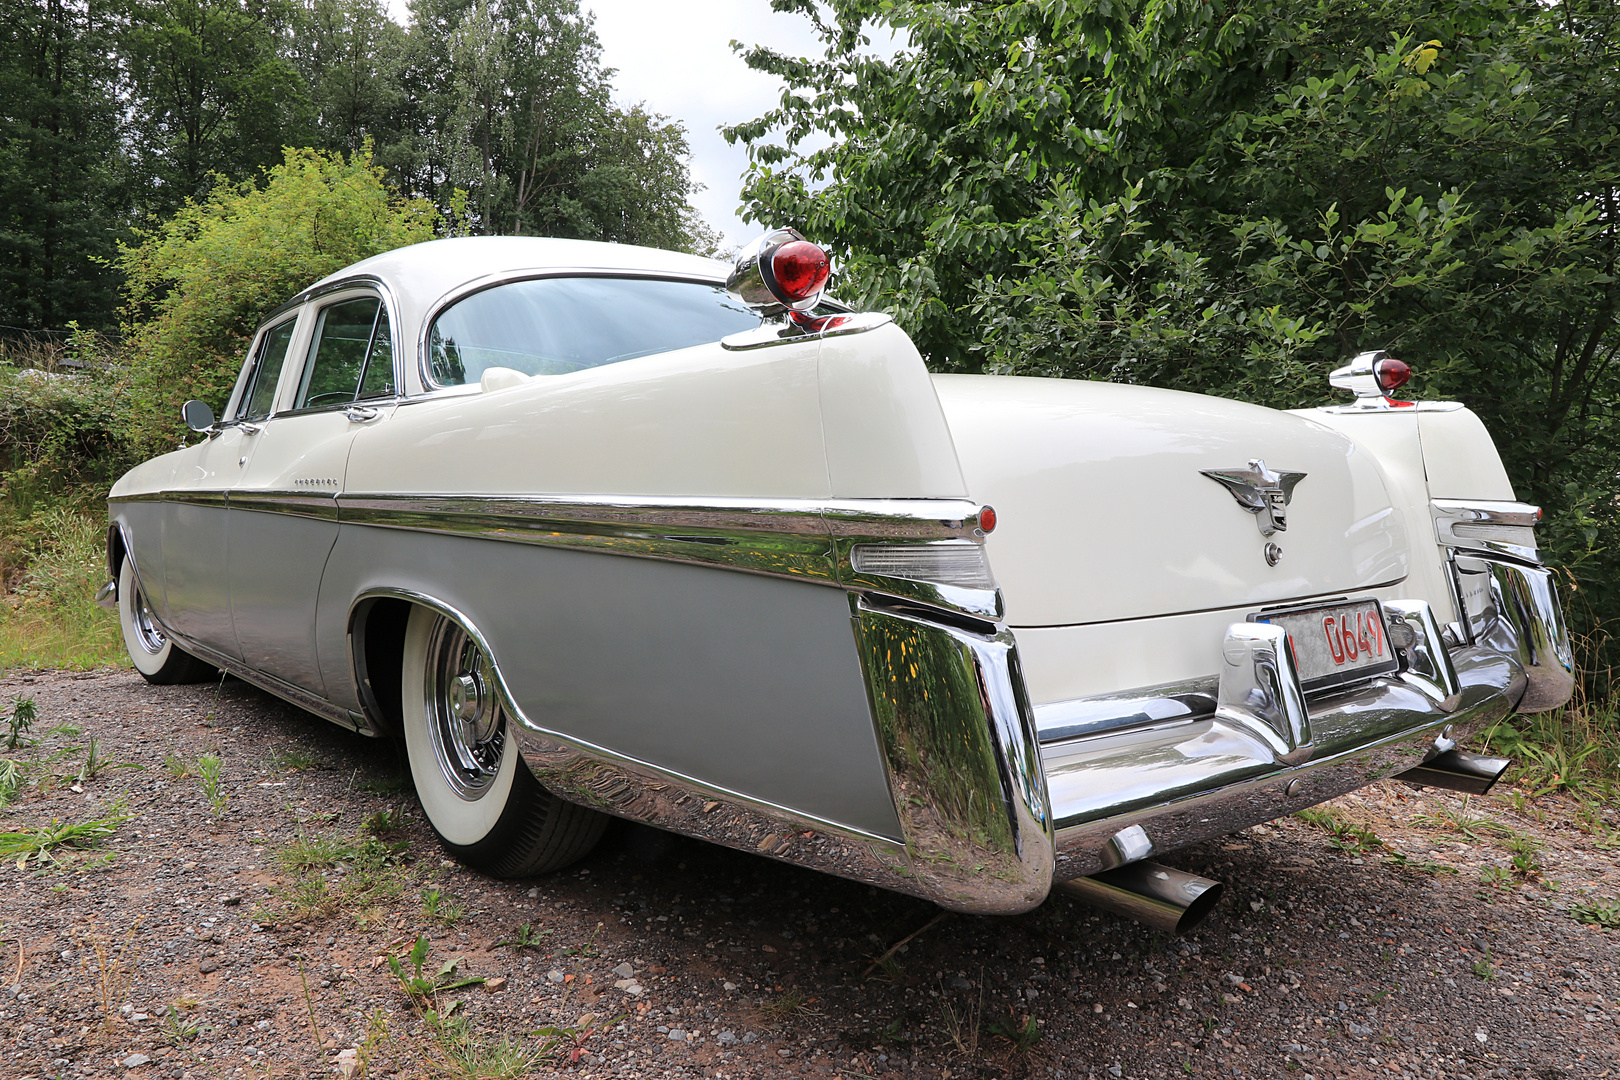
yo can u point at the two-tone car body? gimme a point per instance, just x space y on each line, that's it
596 534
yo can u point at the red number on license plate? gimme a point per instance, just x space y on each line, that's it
1352 639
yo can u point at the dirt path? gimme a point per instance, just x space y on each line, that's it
233 925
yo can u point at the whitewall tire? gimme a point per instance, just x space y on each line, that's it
158 659
486 807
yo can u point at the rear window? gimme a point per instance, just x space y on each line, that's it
551 326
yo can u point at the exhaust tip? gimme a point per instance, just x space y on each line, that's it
1154 895
1458 770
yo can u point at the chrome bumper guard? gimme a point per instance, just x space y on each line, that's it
107 595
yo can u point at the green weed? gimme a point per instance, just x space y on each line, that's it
209 767
60 842
292 760
1483 967
421 988
1402 861
1341 833
11 775
177 1029
1461 820
176 766
526 937
1023 1036
786 1006
1597 912
384 822
1570 749
93 763
22 718
330 874
441 907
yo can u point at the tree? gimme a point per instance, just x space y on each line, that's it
199 284
1232 198
61 181
210 93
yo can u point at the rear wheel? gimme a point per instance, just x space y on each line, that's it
486 807
158 659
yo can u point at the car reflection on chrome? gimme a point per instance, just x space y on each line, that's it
605 531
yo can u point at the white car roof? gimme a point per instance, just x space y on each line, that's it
421 273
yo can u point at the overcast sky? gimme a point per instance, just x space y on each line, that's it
675 56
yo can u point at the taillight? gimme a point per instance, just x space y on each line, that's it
987 520
801 271
1391 374
780 270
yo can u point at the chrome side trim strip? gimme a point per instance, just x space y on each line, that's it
311 504
785 539
196 498
1506 528
800 539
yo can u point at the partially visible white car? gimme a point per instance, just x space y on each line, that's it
600 530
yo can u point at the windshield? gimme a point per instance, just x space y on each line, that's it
551 326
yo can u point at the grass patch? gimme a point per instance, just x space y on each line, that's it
1342 833
59 843
1574 749
1460 820
328 875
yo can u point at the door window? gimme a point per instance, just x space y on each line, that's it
260 394
350 355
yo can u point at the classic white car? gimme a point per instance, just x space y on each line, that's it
601 530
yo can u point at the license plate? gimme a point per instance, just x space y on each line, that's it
1337 643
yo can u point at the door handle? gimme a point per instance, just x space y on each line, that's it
361 414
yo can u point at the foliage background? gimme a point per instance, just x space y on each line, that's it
1233 198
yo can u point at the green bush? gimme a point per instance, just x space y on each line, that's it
198 284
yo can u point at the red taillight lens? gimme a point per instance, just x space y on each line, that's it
1391 374
987 520
801 270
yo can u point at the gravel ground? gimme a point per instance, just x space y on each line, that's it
207 939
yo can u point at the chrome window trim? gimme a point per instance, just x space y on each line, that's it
249 373
508 277
366 285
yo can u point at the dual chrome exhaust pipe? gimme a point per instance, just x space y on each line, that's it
1176 901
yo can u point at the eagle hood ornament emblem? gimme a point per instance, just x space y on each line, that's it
1260 491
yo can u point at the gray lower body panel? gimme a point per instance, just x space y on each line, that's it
741 681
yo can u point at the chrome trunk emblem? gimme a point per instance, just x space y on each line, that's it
1261 492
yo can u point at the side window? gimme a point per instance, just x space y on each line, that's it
350 355
261 391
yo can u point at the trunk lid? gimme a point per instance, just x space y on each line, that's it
1105 513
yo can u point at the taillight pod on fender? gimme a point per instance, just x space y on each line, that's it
1392 374
780 270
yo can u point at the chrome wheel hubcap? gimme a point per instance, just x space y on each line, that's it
465 720
146 629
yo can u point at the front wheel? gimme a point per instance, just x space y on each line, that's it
486 807
157 658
